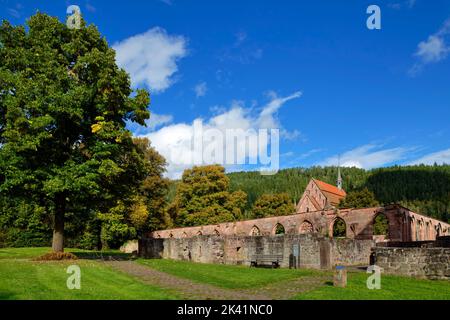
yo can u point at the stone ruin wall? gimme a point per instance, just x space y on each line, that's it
314 251
422 259
237 242
404 225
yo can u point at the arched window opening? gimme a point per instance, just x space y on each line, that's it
279 229
418 230
339 228
438 230
306 227
255 231
381 225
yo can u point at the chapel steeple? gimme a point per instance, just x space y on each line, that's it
339 178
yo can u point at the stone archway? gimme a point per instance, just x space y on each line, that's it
255 231
279 229
306 227
428 230
339 228
419 230
381 225
412 227
438 230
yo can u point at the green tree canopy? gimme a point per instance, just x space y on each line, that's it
381 225
359 199
64 105
202 197
154 188
270 205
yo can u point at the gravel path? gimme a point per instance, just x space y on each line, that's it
188 289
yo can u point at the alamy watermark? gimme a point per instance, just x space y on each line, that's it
74 17
230 147
374 281
374 20
74 280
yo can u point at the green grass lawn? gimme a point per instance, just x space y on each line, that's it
25 279
22 278
392 288
239 277
225 276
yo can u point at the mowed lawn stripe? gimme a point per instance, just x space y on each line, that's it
30 280
392 288
226 276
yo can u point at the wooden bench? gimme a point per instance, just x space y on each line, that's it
273 260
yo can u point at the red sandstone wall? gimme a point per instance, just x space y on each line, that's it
404 225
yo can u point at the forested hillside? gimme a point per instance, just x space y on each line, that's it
424 189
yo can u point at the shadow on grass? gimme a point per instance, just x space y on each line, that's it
104 255
7 295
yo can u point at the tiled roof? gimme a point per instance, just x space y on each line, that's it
333 194
329 188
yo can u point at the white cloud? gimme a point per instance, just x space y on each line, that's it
367 156
90 7
241 36
409 4
266 118
157 120
432 50
309 153
439 157
15 11
176 139
242 50
200 89
168 2
151 57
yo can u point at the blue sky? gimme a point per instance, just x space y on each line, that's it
333 87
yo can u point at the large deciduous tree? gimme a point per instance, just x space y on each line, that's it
270 205
153 190
64 104
363 198
203 197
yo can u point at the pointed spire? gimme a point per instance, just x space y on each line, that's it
339 179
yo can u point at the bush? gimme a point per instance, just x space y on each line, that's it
52 256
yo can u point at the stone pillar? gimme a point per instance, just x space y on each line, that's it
340 277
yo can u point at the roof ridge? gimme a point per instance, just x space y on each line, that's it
335 190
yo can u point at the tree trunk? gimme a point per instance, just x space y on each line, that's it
58 229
